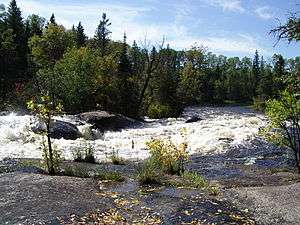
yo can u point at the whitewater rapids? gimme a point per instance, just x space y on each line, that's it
219 129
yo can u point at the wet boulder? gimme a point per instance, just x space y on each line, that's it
193 119
105 121
58 129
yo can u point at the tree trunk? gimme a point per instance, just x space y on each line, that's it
51 169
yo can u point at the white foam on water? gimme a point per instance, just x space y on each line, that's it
219 129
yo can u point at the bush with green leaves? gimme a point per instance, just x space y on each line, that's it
197 180
168 155
285 122
150 172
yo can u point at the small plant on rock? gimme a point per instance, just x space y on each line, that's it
149 173
116 159
45 108
84 153
168 155
197 180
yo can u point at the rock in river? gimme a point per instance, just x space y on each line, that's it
193 119
103 120
59 129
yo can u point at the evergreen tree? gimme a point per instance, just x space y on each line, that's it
102 34
128 94
136 59
255 72
124 63
52 19
80 36
15 23
279 73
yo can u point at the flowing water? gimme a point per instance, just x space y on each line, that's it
219 129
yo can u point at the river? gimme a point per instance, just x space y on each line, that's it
219 129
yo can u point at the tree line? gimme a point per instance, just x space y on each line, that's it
40 56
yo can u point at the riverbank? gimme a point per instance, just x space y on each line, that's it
247 195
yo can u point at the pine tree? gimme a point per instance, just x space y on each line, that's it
52 19
80 36
279 72
135 58
255 72
102 34
124 63
128 93
15 23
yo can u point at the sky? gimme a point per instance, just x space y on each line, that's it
228 27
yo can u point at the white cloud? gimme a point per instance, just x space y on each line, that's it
243 44
227 5
264 13
127 19
122 17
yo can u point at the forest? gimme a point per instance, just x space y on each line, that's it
95 130
85 73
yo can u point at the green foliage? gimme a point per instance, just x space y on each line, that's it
214 190
168 156
290 30
285 116
102 34
80 36
35 25
74 78
156 110
150 172
25 163
51 46
83 172
109 176
197 180
99 73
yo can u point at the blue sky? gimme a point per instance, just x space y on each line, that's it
229 27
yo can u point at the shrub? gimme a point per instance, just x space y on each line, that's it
169 157
149 173
285 117
197 180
